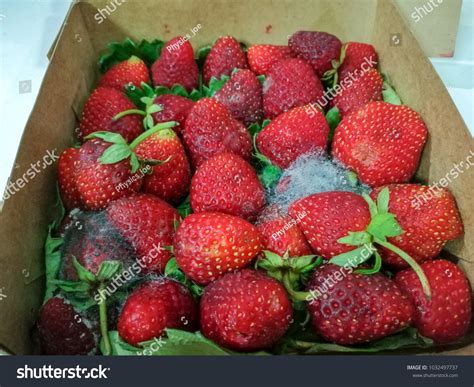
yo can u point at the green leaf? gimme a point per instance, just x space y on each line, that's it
82 272
119 347
115 153
154 109
388 92
382 200
107 270
357 238
184 208
202 54
372 206
134 162
172 270
273 259
333 118
354 257
135 94
261 79
375 269
265 122
384 225
214 86
52 253
114 138
73 286
269 176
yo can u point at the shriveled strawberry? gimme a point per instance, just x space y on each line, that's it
146 222
98 184
227 183
292 134
349 308
245 311
210 129
355 55
446 317
176 65
63 331
154 306
429 218
225 55
169 180
242 95
329 217
173 108
317 48
209 244
364 89
381 142
67 166
132 71
262 57
101 108
290 83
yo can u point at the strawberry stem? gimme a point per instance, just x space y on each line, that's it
413 264
295 295
128 112
149 132
103 322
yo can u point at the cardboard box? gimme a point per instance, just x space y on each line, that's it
73 71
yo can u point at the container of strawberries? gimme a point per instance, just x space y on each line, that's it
228 192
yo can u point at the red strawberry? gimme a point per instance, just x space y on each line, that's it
290 83
227 183
242 95
209 244
292 134
176 65
148 224
225 55
348 308
67 165
245 311
63 331
428 217
91 239
210 129
355 55
446 317
317 48
366 88
98 184
174 108
381 142
262 57
329 217
281 235
100 109
154 306
132 71
170 180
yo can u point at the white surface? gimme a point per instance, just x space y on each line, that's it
28 27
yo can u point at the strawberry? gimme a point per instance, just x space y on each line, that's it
227 183
446 317
317 48
170 180
355 54
242 95
381 142
176 65
99 112
89 238
281 235
329 217
428 217
245 311
290 83
98 184
174 108
366 88
210 129
292 134
209 244
349 308
262 57
225 55
63 331
153 307
147 223
67 164
132 71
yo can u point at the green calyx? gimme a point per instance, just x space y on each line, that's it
291 271
388 92
383 225
331 76
120 150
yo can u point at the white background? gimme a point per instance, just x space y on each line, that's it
29 27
